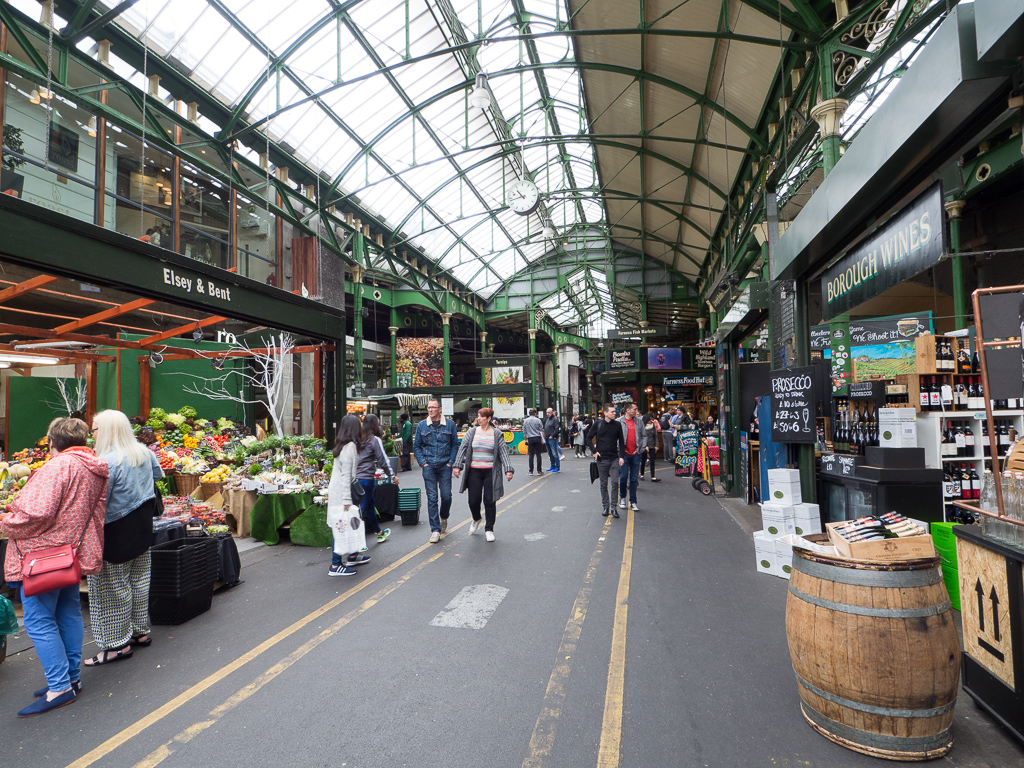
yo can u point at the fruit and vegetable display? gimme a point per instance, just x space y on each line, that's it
423 358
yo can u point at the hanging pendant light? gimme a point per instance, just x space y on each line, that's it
34 96
549 230
480 97
91 127
45 93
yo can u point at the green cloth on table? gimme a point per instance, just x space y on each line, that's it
273 510
310 528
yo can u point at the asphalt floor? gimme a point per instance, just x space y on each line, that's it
573 641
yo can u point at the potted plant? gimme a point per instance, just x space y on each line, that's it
12 182
391 450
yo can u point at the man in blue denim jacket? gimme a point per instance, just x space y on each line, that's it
435 444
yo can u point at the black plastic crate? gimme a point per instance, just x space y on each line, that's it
182 565
178 610
410 516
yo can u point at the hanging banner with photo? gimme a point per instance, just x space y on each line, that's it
508 407
504 375
420 362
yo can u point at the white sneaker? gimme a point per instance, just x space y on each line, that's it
622 503
489 535
435 536
635 507
474 526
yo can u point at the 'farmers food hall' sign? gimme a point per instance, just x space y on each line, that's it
909 243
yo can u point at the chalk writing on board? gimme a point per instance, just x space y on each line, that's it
793 407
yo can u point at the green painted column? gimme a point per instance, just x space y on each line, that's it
712 322
393 328
446 330
358 246
955 208
483 373
533 368
828 113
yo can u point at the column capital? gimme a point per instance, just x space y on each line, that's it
828 114
393 329
446 317
533 333
644 323
357 271
483 336
490 348
954 208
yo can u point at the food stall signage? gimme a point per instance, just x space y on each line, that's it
837 464
623 360
704 358
793 408
638 333
698 380
909 243
623 397
502 362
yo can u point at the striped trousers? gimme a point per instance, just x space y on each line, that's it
119 602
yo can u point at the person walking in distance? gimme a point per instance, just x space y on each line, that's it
435 444
652 428
406 434
483 449
533 433
607 445
552 429
371 456
636 443
347 529
668 440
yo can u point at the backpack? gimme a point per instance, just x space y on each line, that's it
665 425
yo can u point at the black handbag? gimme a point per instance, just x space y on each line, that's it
594 472
158 503
357 492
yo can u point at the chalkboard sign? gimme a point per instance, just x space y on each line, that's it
793 405
689 439
839 464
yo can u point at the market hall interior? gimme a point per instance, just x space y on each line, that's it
539 666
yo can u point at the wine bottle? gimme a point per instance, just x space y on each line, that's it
963 359
979 387
935 395
946 447
969 440
960 439
965 483
975 363
975 484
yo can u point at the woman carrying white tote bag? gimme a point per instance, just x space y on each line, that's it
342 511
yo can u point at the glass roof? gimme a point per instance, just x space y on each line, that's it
375 95
585 301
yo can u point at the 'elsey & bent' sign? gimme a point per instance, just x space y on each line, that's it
907 244
195 285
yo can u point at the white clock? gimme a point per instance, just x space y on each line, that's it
523 197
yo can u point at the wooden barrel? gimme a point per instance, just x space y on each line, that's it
875 652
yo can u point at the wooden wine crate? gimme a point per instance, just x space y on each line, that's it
924 354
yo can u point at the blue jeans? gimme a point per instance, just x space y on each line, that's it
53 621
554 452
369 511
629 471
438 481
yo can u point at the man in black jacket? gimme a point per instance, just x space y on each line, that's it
552 430
608 445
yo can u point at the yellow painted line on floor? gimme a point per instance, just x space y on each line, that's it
543 737
610 751
166 750
183 698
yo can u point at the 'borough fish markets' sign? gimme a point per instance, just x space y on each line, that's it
907 244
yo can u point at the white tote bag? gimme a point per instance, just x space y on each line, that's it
347 527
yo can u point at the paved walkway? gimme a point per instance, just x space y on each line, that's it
573 641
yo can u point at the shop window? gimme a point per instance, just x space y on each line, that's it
256 237
142 201
205 211
49 156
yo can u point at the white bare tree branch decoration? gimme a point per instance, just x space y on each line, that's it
71 398
268 375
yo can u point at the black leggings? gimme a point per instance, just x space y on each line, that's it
536 447
648 456
480 484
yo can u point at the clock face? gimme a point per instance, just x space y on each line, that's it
523 197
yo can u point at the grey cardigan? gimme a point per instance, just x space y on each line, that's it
462 460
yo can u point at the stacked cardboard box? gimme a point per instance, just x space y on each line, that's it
782 515
945 546
784 486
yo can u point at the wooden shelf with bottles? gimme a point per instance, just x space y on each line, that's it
932 426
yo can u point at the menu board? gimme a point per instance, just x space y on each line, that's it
704 358
793 405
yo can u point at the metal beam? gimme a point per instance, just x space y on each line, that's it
73 34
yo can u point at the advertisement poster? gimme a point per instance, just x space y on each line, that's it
665 359
622 360
508 407
882 348
507 375
622 397
704 358
420 362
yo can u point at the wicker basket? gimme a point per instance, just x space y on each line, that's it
211 488
186 484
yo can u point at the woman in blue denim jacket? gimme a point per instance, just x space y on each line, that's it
119 594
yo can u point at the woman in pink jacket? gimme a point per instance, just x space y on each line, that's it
63 498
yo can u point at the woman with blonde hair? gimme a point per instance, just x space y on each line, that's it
119 594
